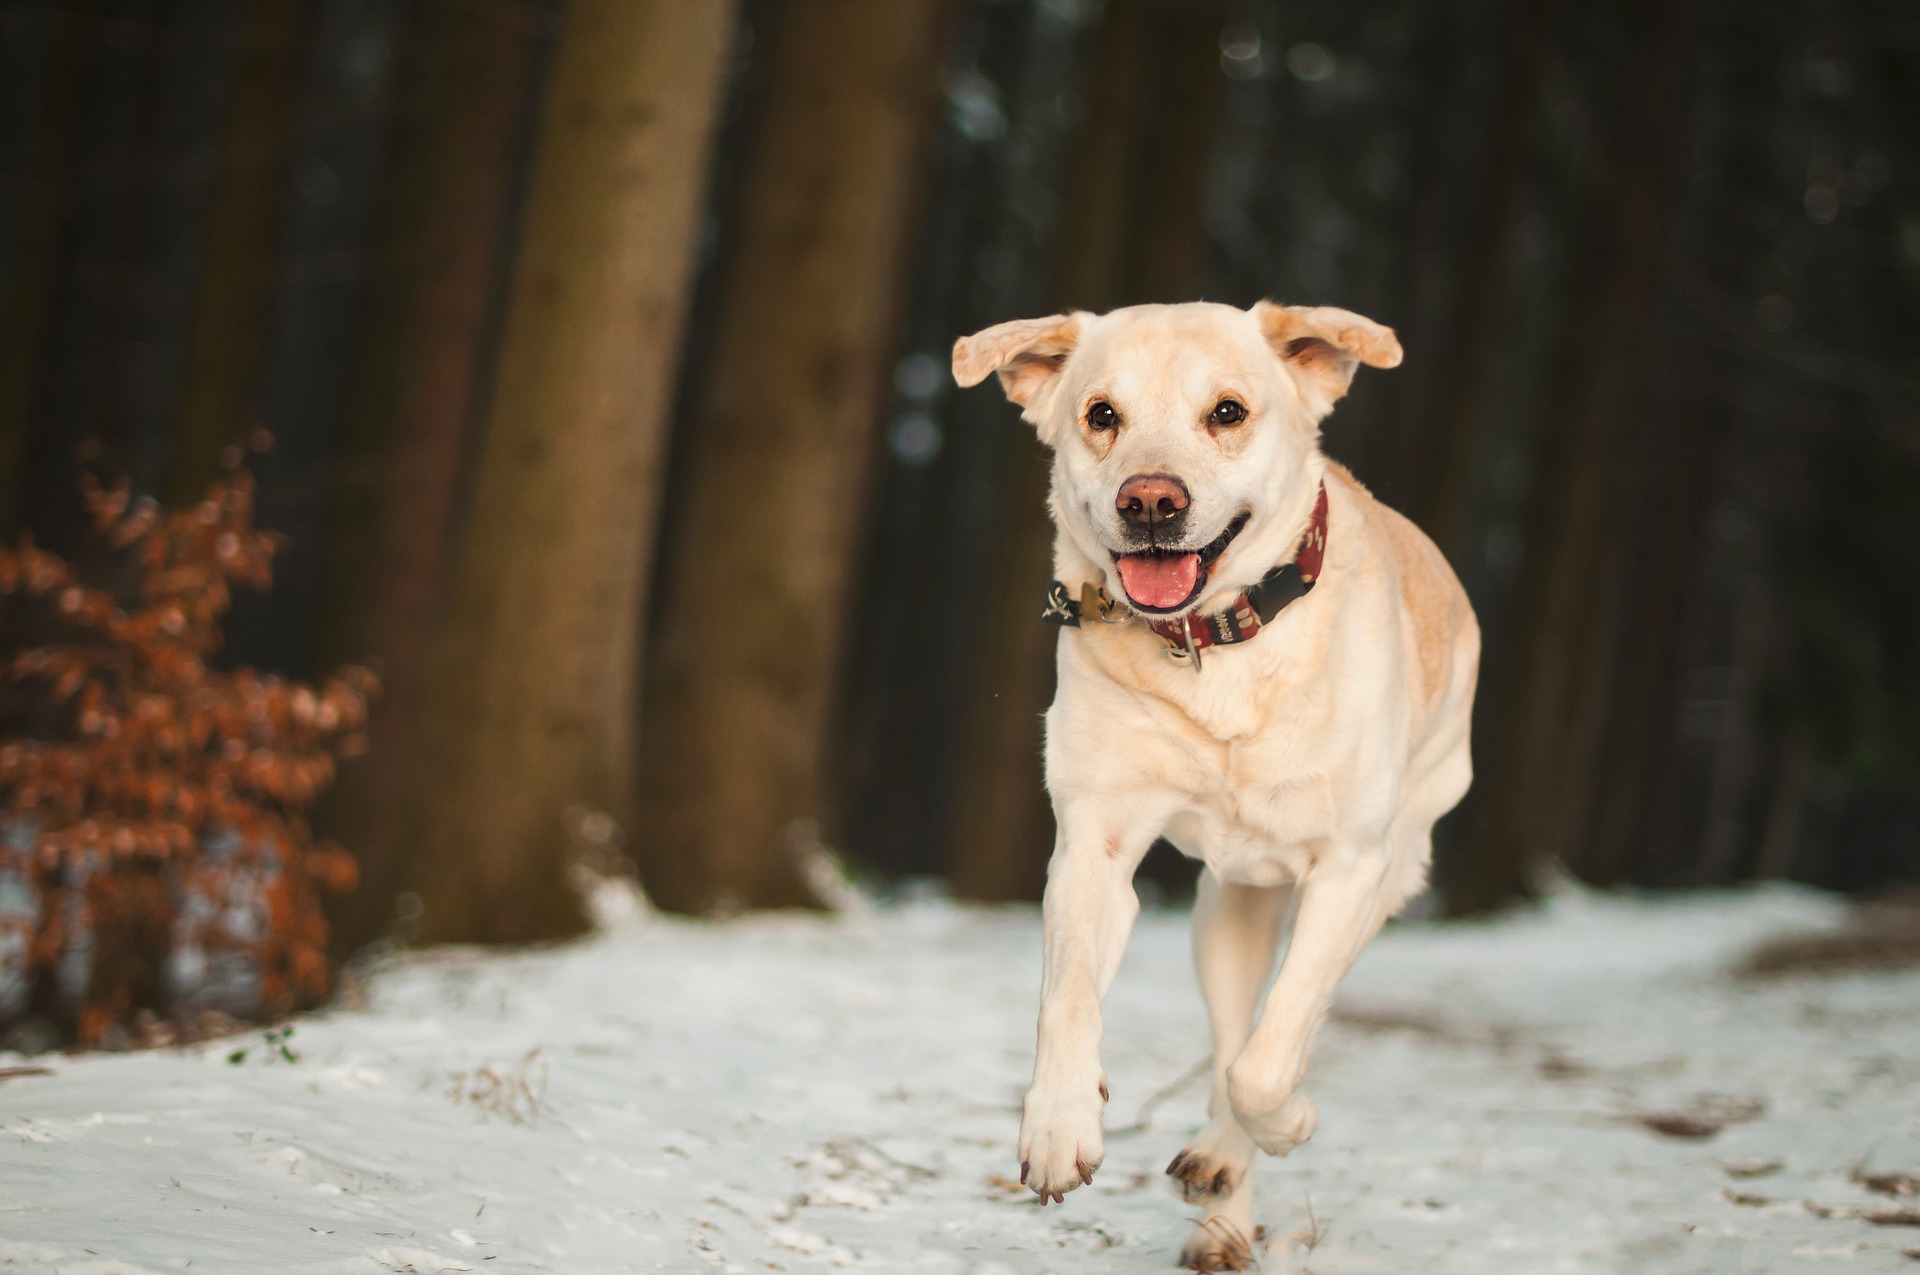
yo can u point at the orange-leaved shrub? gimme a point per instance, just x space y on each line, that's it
154 806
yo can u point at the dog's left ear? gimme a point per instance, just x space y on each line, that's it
1324 346
1027 353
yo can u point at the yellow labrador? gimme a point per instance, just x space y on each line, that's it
1262 664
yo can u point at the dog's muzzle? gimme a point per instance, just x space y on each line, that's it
1161 581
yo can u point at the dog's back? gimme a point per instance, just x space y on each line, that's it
1441 635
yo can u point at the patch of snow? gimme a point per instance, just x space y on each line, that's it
801 1093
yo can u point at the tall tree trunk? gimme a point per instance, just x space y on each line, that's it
36 224
1536 788
1132 234
164 235
1648 830
987 231
1453 438
438 261
323 271
227 340
1638 754
530 708
105 363
755 587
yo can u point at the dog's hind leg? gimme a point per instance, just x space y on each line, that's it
1236 930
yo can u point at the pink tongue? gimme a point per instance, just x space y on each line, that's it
1159 579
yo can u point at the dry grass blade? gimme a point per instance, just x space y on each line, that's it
1305 1238
517 1092
1160 1095
1234 1254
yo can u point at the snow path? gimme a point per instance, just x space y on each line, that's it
789 1093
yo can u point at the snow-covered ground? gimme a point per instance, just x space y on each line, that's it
799 1094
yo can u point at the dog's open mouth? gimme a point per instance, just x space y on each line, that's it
1165 580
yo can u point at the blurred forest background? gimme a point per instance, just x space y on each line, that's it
602 346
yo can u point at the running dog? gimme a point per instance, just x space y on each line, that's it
1259 662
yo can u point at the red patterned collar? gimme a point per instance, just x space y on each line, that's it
1188 635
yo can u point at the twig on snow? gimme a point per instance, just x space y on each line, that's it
1160 1095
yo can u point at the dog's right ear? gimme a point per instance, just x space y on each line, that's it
1027 353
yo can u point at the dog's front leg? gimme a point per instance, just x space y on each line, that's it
1088 910
1339 911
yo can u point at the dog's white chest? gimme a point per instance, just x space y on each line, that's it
1261 819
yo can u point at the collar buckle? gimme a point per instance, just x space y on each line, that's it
1095 602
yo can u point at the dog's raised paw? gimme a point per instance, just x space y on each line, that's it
1276 1126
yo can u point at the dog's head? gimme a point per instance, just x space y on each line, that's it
1184 436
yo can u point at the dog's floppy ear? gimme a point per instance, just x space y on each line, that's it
1324 345
1027 353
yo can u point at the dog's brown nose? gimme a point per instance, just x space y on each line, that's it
1147 500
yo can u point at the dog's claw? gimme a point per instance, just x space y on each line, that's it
1086 1174
1103 1090
1025 1166
1195 1185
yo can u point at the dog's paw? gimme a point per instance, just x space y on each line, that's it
1218 1245
1215 1163
1061 1144
1278 1126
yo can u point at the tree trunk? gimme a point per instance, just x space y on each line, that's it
1536 788
1649 830
755 586
530 707
37 223
227 341
1686 450
1449 479
323 260
438 260
119 282
1131 234
986 235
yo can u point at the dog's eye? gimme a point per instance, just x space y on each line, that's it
1227 412
1102 416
